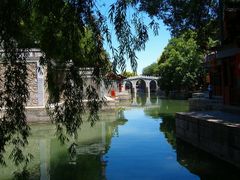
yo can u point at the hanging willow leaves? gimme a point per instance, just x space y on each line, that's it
70 34
14 89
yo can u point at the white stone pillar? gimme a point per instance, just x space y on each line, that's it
156 85
40 85
103 90
148 88
134 86
124 86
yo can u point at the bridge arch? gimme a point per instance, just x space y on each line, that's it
141 86
149 81
153 86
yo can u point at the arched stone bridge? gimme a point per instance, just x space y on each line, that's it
146 79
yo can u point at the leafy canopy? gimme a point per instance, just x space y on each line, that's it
151 70
71 35
180 65
129 74
180 16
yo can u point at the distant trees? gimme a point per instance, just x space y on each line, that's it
151 70
129 74
180 65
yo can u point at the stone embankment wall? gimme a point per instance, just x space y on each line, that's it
216 137
37 115
31 81
35 79
37 86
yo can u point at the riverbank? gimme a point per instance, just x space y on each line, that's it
39 114
215 132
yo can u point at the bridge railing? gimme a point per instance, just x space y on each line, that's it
143 77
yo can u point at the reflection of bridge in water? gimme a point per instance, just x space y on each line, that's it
145 99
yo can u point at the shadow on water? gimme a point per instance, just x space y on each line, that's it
195 160
204 165
198 162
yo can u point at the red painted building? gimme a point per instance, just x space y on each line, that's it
224 62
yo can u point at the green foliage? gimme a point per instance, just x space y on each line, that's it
151 70
71 35
180 65
13 126
180 16
129 74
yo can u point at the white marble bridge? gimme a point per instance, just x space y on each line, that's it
147 80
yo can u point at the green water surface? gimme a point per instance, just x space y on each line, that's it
135 142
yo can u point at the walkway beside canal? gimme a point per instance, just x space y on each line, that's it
215 132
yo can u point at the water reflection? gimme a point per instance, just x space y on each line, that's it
203 164
136 143
144 99
195 160
198 162
52 159
166 108
92 145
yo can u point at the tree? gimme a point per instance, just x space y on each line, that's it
200 16
151 70
129 74
70 35
180 65
59 28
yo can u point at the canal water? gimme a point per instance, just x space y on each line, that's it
134 142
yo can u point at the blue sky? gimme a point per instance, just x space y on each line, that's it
154 46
